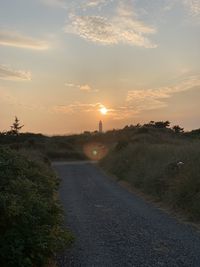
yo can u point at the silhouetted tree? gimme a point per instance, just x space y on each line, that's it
15 127
138 125
162 124
177 129
158 124
126 127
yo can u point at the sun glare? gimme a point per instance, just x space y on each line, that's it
103 110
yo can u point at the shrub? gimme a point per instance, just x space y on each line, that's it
30 214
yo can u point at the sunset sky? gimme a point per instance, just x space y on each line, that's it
61 61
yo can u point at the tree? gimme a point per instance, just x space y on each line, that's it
158 124
177 129
15 127
162 124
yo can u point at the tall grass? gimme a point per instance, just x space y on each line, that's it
149 162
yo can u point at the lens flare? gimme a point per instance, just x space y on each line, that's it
95 151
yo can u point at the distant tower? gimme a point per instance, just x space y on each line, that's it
100 127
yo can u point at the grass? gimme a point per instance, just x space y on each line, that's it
148 161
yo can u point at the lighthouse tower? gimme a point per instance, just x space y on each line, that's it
100 127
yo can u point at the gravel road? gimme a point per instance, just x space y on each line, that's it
116 228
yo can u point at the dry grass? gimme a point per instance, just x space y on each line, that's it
149 162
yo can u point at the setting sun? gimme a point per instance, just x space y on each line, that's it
103 110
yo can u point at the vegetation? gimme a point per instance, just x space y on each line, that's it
30 215
161 162
53 148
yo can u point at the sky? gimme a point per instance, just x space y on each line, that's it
61 61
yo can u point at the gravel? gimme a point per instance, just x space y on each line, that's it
113 227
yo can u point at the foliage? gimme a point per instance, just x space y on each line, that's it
158 124
30 214
177 129
162 165
193 133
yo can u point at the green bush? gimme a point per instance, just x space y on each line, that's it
30 214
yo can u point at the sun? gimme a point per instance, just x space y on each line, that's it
103 110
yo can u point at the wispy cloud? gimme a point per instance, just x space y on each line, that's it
138 101
95 3
123 27
70 85
116 113
77 107
149 99
83 87
15 39
9 74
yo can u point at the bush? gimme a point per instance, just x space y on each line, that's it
30 214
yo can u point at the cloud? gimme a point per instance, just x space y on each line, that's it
77 107
15 39
150 99
136 101
9 74
123 27
84 87
95 3
117 113
70 85
194 6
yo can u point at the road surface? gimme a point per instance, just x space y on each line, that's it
116 228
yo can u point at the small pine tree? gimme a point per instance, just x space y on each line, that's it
15 127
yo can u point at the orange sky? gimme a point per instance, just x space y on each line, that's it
62 60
